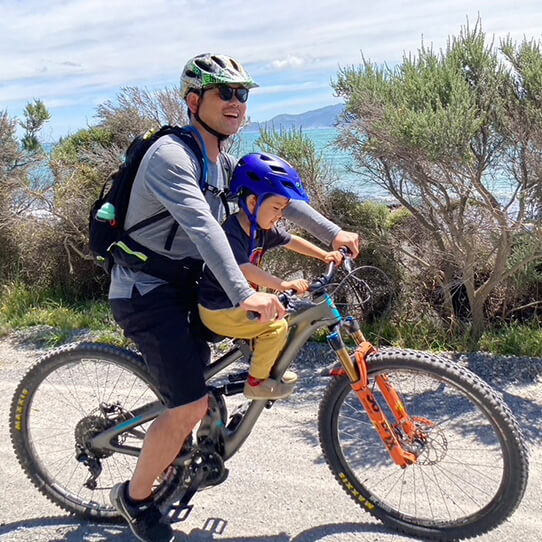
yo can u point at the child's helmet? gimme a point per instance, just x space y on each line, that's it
266 175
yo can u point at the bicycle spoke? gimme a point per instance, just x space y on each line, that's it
71 405
450 472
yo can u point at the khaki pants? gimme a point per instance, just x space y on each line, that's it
269 339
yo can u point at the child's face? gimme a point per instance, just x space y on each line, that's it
271 211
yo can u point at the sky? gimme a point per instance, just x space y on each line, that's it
76 54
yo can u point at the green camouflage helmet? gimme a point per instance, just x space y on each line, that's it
207 70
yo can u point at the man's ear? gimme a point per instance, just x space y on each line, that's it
192 101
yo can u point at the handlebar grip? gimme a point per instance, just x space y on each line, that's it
252 315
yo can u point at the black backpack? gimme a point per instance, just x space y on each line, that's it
108 240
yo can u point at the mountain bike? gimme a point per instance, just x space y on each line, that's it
416 440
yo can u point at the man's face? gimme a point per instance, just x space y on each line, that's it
226 117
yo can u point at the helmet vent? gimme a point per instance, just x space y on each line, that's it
253 176
219 61
190 73
203 64
286 184
266 158
278 169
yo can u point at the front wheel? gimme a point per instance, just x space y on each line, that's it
471 468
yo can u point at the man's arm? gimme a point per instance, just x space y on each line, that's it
302 214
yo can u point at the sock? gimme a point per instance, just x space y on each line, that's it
133 502
254 381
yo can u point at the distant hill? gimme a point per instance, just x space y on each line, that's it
325 117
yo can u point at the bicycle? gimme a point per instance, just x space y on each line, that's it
417 441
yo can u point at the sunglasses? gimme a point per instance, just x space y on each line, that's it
227 93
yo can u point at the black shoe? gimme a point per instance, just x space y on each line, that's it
145 520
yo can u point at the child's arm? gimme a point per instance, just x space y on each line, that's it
256 275
302 246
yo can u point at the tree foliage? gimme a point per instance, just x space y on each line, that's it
36 115
437 132
19 164
297 148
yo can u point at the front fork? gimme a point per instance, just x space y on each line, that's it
356 369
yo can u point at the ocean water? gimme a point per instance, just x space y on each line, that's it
341 161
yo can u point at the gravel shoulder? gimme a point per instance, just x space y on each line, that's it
279 488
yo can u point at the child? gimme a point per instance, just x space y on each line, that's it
265 184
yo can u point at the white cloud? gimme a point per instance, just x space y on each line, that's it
290 61
72 51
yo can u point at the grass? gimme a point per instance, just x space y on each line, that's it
522 340
22 307
514 340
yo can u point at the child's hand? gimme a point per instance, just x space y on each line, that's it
333 256
299 285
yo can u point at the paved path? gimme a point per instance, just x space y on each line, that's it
279 488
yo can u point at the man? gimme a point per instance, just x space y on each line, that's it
155 313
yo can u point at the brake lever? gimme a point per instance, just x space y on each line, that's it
347 262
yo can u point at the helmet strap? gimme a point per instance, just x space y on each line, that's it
253 217
219 136
212 131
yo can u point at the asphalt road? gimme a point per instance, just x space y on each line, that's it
279 488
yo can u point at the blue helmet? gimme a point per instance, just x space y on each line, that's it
266 175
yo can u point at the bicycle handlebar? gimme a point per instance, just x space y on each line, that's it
317 284
328 276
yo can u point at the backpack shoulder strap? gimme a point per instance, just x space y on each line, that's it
188 136
188 139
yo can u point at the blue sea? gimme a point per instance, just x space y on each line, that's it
341 161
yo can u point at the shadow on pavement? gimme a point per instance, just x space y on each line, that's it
67 529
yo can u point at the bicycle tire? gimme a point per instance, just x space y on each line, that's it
46 448
473 471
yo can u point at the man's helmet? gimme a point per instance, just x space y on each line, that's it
207 70
266 175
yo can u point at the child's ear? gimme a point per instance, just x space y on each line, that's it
252 201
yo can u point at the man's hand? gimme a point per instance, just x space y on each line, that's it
347 239
267 306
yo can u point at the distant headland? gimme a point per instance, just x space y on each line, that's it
324 117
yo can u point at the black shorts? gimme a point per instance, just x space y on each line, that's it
158 323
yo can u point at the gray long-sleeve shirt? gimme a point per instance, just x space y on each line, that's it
168 178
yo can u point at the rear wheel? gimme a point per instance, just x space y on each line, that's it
471 468
70 395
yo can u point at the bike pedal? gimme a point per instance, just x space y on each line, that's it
211 482
238 377
179 513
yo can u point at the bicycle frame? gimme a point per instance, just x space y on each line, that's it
301 326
